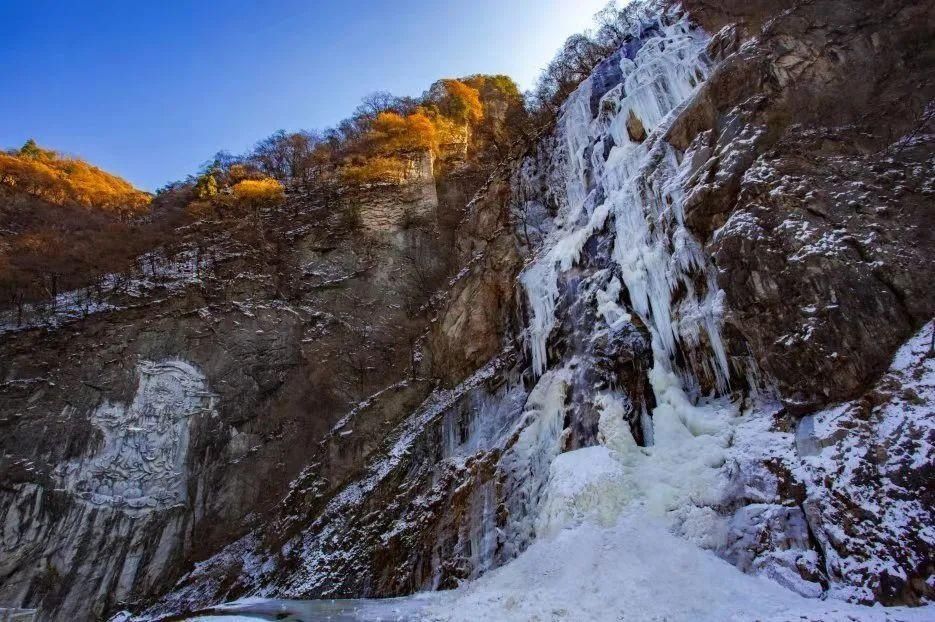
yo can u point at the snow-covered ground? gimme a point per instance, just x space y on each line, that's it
633 571
637 570
607 550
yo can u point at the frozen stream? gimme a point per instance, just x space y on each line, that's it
362 610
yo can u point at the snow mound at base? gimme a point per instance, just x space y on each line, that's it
638 571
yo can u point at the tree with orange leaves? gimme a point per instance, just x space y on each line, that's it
461 103
260 192
375 170
46 175
393 133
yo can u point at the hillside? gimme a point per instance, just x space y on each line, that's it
78 239
306 281
51 177
63 223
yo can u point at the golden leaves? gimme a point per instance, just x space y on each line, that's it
46 175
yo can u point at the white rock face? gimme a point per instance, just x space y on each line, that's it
141 462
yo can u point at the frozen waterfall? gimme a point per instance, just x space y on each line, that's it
638 184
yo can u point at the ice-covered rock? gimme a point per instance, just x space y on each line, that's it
143 461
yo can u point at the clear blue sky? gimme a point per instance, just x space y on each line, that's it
150 89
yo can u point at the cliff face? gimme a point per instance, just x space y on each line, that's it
697 309
145 432
813 196
812 188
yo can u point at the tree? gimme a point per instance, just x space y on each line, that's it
460 102
375 170
425 268
256 194
505 116
373 104
394 133
270 155
241 171
259 191
201 210
287 155
222 161
33 151
496 91
41 173
206 188
578 57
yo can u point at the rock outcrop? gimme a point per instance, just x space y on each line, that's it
812 189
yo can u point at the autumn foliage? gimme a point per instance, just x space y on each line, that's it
246 192
374 145
395 133
64 222
391 130
376 169
46 175
461 103
258 191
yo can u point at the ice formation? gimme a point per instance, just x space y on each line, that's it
635 571
639 186
631 183
141 462
607 552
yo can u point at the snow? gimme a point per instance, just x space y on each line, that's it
692 526
526 464
615 315
629 532
679 479
587 483
152 271
871 459
636 571
607 550
623 530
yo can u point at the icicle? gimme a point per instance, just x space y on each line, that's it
641 184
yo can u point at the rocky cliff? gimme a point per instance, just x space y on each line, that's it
145 432
697 311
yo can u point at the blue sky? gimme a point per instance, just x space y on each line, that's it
151 89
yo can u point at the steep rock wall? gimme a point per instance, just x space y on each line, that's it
653 314
811 187
143 434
